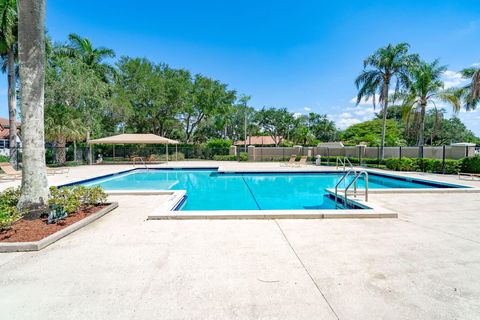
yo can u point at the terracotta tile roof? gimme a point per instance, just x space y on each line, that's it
4 125
259 140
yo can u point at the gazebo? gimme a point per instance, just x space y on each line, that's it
133 138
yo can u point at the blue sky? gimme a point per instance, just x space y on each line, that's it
303 55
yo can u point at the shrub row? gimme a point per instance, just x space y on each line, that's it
242 157
61 203
424 165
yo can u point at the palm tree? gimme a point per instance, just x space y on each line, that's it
31 56
471 92
425 88
8 42
83 49
61 126
386 66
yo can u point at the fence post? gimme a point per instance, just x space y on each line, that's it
443 160
328 156
400 152
466 151
283 156
378 156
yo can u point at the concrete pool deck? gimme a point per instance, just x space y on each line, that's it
423 265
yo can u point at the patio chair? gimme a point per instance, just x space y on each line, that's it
9 172
302 161
290 162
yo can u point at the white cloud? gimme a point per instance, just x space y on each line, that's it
476 64
453 79
307 109
352 115
297 114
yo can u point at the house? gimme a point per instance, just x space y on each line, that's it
259 141
4 137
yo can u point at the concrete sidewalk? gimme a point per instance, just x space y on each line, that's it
423 265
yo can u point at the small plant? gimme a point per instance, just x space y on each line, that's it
71 199
65 198
56 213
8 208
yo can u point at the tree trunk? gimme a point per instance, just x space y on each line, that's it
421 128
12 106
60 153
74 151
31 51
384 122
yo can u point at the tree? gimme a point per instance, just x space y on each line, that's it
276 122
83 49
471 92
384 67
208 98
321 127
8 42
425 87
368 132
152 95
63 125
31 54
441 131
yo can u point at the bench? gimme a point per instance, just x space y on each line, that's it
472 176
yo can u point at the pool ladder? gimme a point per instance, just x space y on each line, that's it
343 162
141 160
356 175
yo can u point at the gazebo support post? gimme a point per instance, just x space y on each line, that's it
113 152
90 154
167 153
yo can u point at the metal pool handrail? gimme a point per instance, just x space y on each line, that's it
354 182
341 180
343 163
141 160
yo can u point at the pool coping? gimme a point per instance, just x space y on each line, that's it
166 211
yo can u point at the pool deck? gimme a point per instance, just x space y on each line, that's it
423 265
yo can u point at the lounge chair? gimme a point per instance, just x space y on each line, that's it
9 172
472 176
12 174
290 162
302 161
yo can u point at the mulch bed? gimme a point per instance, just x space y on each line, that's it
34 230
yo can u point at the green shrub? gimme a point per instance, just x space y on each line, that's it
4 158
228 157
218 146
424 165
171 157
8 207
71 199
471 165
243 156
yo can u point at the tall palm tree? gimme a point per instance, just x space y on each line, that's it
62 125
8 42
426 87
31 56
387 66
471 92
83 49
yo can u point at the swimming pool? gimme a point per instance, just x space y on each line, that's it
208 189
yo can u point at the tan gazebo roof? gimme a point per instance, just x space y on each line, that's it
134 138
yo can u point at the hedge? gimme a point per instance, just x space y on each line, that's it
231 157
424 165
471 165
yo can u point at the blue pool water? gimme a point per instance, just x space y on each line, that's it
210 190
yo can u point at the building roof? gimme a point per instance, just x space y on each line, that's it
259 140
137 138
4 128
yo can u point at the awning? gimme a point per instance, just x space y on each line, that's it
134 138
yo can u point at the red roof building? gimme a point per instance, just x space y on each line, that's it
259 141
